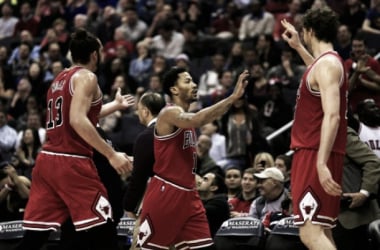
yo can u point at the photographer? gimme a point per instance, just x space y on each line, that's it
14 193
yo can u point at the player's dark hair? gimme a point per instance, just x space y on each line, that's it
82 44
324 23
153 101
170 79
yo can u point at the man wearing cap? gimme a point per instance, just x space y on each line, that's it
272 193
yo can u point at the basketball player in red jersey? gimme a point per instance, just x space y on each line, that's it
172 212
319 131
65 181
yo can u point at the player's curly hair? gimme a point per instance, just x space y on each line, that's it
170 79
323 21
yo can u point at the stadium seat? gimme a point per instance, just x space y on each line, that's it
240 234
284 236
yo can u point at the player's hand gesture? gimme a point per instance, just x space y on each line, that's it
290 35
121 163
125 101
327 182
240 85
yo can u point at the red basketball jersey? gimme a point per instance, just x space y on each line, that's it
308 116
61 137
176 157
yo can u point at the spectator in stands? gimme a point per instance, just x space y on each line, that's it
168 42
225 88
73 8
32 106
272 193
294 8
109 22
209 80
361 67
235 57
7 86
159 65
371 22
369 124
240 205
47 12
134 27
110 47
276 111
361 175
192 13
141 65
237 126
58 33
257 21
233 176
26 153
54 53
212 191
93 16
226 22
27 21
218 140
262 161
343 42
284 163
37 78
195 45
162 13
267 51
20 65
33 121
79 22
14 193
353 15
8 138
7 21
205 163
257 90
18 104
288 73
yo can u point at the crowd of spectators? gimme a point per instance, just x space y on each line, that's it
214 40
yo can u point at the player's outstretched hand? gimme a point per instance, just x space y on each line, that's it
121 163
240 85
125 101
327 182
290 35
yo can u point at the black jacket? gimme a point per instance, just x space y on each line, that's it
143 153
217 211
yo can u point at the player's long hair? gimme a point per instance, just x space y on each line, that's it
323 21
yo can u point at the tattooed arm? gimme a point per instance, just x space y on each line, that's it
176 117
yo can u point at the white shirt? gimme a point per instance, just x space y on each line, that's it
371 137
218 148
7 26
169 49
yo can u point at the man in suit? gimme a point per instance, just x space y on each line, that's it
361 175
148 107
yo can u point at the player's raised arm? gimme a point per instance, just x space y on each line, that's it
176 116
